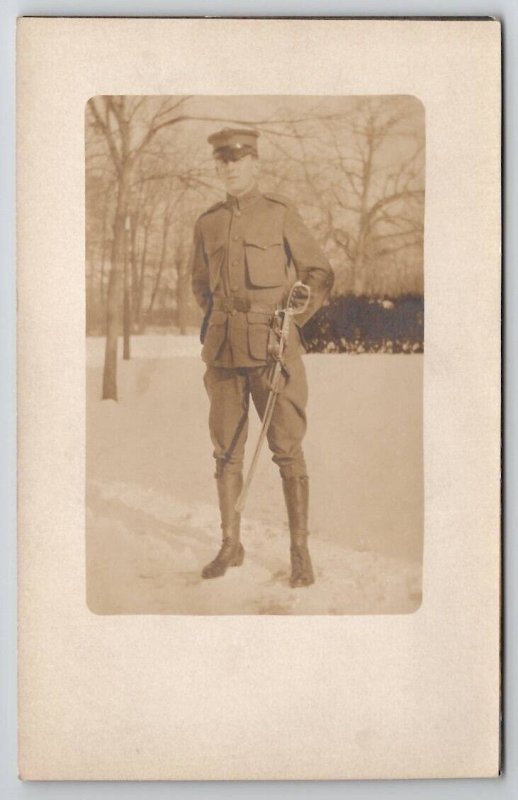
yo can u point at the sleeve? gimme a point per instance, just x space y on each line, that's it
311 264
199 270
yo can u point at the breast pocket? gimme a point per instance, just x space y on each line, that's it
265 261
215 336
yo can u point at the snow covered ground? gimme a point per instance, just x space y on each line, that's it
152 517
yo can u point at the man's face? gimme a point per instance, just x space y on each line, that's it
238 177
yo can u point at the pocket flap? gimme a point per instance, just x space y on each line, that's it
263 240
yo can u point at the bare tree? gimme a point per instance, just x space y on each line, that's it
384 193
127 136
359 174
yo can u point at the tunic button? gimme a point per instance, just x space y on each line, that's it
237 212
234 288
236 238
235 262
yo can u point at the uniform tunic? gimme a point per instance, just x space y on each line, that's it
247 252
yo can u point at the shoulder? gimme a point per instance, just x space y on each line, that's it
279 199
211 210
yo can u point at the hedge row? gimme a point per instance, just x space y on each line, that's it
351 324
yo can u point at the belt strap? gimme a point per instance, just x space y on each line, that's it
235 303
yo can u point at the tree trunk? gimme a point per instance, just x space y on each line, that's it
115 285
91 280
104 249
126 328
102 310
126 314
134 221
161 264
155 291
358 276
363 233
182 296
112 334
137 313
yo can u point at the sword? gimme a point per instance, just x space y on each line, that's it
297 303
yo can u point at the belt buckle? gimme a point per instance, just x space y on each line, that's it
232 303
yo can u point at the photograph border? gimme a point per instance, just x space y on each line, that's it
507 785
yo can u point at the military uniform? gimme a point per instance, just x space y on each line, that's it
247 252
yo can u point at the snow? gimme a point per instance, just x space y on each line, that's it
152 516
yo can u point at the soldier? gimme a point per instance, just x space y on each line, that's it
248 250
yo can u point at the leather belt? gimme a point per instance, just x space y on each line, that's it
235 303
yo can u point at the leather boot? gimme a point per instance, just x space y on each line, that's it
296 494
231 553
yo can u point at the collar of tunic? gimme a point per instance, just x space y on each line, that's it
245 200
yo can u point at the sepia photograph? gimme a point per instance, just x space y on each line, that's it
258 332
254 354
